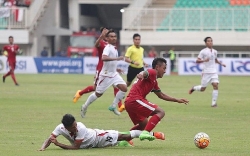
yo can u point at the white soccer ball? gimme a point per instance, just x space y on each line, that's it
201 140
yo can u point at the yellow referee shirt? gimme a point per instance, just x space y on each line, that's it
135 54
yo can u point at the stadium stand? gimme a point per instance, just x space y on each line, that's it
202 14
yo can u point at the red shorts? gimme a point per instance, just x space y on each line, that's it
96 78
12 65
139 110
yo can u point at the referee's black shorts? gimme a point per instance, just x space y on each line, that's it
132 72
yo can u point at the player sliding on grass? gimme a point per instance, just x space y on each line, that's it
81 137
208 56
100 44
138 108
109 76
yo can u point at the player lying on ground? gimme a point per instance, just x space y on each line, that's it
138 108
81 137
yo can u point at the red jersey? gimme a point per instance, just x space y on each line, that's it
12 51
100 51
141 88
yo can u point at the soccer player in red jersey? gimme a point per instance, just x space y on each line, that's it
12 50
139 109
100 44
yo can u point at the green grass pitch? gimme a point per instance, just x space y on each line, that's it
30 112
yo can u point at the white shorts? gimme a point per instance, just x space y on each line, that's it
209 78
106 138
105 82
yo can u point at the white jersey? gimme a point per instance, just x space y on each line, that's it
88 136
210 66
109 67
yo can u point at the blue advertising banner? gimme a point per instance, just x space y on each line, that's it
59 65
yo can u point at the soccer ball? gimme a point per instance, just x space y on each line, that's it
201 140
5 53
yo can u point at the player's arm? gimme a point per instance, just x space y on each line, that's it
217 61
76 145
143 75
166 97
101 37
46 144
107 58
200 58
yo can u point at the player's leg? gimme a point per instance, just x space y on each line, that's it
86 90
121 85
215 84
205 79
121 106
103 84
12 68
157 115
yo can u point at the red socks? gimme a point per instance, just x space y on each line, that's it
153 121
87 90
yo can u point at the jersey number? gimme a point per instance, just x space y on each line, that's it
109 139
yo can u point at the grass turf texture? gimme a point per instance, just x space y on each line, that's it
30 112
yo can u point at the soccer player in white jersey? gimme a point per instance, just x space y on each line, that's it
208 56
109 76
81 137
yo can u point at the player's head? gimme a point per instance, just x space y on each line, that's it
69 122
209 42
11 39
111 37
101 30
137 39
159 64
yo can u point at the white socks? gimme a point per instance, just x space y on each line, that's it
135 133
197 88
214 97
90 99
119 96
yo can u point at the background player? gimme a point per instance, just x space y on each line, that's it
138 108
100 44
82 137
134 56
208 56
108 76
11 51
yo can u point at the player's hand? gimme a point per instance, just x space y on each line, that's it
136 63
185 101
206 60
120 58
104 32
120 71
145 65
223 65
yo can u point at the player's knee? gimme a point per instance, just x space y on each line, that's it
128 84
123 88
203 89
98 94
215 86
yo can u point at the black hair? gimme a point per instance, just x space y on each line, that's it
158 60
11 37
205 40
68 120
102 28
136 35
110 31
